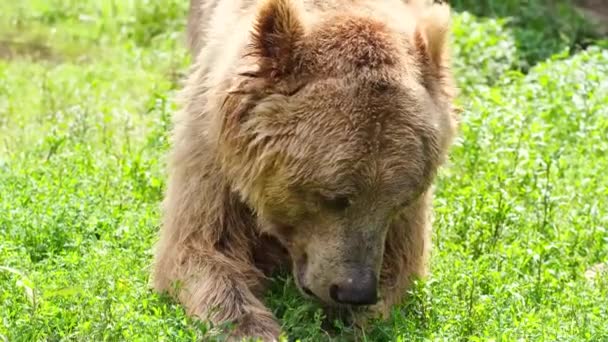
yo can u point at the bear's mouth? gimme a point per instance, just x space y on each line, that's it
308 291
300 275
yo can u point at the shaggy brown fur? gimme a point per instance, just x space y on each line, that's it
310 134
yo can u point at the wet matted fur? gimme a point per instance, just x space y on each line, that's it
310 134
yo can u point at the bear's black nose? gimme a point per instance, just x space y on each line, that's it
360 287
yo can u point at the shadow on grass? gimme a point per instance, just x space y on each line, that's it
541 28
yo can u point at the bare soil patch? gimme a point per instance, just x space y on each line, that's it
597 12
12 49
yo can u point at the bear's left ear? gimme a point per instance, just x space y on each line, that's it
276 32
431 37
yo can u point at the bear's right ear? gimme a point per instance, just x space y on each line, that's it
432 31
276 32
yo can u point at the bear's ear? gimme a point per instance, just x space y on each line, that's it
276 32
431 36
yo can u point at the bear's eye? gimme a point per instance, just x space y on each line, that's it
338 203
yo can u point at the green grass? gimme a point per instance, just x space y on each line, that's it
86 96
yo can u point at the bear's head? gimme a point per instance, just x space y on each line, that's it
337 125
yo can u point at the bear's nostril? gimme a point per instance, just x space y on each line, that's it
359 290
333 292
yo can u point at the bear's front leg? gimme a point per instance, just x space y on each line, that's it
215 283
218 289
204 257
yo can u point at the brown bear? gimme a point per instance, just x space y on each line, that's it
310 134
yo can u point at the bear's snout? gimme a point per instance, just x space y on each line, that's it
360 287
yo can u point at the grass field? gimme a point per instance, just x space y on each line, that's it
86 96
